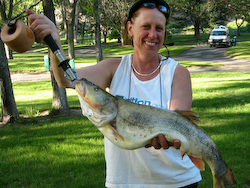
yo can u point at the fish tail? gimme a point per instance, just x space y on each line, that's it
226 180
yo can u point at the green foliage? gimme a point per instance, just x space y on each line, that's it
114 35
245 28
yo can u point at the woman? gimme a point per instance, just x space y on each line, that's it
144 77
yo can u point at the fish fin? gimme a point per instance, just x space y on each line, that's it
192 116
199 163
226 180
182 153
116 134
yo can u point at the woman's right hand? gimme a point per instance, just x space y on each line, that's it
41 26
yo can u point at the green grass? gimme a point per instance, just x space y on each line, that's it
61 153
27 62
222 101
41 95
198 64
69 152
187 39
241 51
34 62
123 50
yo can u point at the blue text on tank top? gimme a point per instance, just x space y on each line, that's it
138 101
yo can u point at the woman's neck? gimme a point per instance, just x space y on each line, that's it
146 68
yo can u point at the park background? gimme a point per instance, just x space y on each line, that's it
44 148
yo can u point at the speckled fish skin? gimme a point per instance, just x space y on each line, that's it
131 126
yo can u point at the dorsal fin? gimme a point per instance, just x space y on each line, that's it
192 116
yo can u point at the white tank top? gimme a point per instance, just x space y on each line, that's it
146 167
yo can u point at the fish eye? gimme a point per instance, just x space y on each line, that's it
96 88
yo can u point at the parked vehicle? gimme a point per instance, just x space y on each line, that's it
219 37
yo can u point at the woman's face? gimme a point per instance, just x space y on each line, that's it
147 30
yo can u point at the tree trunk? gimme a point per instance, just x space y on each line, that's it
71 50
64 22
197 29
105 35
9 109
239 25
76 23
98 44
8 51
70 8
59 102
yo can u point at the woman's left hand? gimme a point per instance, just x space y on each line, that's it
161 142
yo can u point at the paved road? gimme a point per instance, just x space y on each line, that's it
215 55
199 53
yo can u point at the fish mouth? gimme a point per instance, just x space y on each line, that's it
81 89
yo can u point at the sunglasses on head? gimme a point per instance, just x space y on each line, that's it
164 9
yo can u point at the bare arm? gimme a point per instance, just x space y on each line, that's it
101 73
181 99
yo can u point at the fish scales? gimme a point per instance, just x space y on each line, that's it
131 126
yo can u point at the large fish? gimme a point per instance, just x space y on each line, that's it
131 126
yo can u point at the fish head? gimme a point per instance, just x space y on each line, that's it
99 105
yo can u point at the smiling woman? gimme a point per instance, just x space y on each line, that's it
144 75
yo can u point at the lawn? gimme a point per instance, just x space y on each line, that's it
241 51
34 62
68 152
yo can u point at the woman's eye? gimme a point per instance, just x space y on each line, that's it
146 26
159 28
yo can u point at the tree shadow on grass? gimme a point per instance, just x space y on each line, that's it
63 152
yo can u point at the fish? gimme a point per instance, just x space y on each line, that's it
131 126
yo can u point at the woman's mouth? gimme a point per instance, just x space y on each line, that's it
151 43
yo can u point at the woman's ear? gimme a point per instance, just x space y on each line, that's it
129 28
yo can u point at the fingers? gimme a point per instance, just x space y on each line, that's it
161 142
28 12
155 143
177 144
41 26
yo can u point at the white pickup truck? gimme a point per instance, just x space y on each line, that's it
219 37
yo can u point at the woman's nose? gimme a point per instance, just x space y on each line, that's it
152 33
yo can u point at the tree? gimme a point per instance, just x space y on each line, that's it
60 102
92 9
68 10
240 10
114 20
98 43
6 14
9 109
192 12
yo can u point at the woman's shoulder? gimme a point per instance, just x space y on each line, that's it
181 70
110 63
113 63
